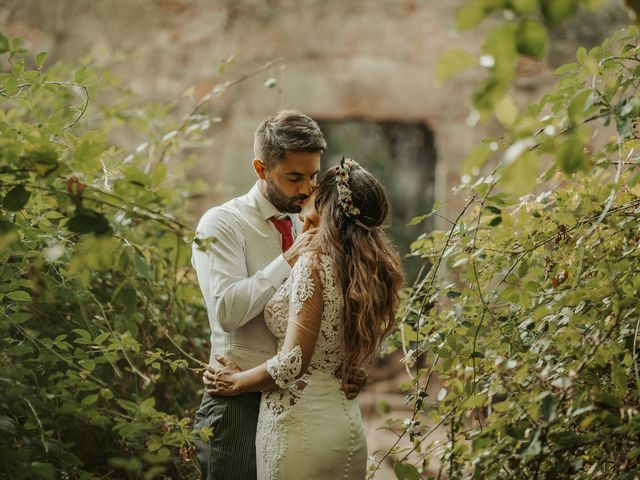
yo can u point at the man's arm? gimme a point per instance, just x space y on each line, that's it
236 297
292 361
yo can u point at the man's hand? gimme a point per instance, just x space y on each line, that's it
291 255
222 380
356 378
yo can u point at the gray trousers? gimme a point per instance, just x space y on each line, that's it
230 453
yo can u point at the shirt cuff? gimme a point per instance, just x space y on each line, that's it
277 271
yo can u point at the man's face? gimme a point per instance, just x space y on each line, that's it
291 180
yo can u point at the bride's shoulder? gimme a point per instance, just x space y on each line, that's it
316 261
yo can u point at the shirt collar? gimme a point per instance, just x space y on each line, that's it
265 207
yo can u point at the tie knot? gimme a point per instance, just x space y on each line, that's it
283 225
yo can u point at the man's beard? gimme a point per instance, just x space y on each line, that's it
281 201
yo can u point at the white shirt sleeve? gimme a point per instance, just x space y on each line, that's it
232 294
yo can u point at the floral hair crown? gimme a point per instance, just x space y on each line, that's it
344 191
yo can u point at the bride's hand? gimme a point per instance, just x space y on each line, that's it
222 380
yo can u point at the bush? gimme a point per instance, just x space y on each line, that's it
101 318
534 327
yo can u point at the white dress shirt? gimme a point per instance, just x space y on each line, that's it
239 274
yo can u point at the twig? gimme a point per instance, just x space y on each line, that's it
214 93
44 443
61 84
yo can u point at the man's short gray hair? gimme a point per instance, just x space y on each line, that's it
287 130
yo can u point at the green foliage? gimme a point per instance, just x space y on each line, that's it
534 328
523 35
101 322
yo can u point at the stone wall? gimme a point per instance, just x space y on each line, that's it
336 60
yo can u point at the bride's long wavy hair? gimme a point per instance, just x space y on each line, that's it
366 263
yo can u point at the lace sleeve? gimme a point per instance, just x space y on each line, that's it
305 317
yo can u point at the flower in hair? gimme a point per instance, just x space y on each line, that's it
344 190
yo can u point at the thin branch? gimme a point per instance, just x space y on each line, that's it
61 84
217 91
44 443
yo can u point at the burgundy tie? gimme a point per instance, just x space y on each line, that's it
284 227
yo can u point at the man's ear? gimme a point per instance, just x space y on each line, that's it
260 168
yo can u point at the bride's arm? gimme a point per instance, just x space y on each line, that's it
292 361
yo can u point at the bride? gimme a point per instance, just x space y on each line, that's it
329 316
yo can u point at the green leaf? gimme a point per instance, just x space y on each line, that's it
406 471
495 221
519 177
506 111
130 464
84 337
19 296
548 408
565 438
16 199
89 221
470 15
136 176
41 58
619 378
452 62
534 447
555 11
147 407
126 296
570 156
502 406
87 364
106 393
489 94
43 157
578 103
453 294
101 338
525 7
531 38
87 153
418 220
501 45
476 158
4 43
609 399
565 69
633 453
6 228
475 401
81 75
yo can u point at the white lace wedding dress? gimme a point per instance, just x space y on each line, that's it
307 428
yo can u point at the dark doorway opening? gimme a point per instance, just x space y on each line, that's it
403 156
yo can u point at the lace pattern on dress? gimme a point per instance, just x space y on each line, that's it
285 366
282 406
302 289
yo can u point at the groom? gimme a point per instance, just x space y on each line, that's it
251 255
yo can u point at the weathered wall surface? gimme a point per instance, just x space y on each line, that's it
336 60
